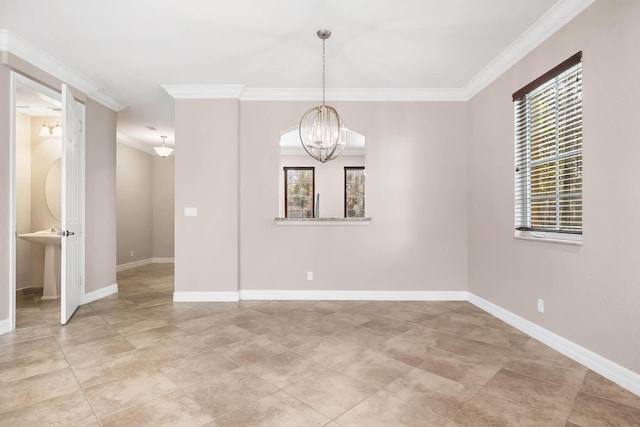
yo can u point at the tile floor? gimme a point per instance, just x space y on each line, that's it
139 359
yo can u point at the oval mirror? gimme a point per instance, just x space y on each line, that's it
52 189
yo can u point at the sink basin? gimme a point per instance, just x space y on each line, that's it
44 237
51 242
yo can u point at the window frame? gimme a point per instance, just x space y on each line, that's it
523 186
346 169
286 188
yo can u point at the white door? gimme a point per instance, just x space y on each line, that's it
72 251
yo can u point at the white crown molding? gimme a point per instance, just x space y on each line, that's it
204 91
126 140
100 293
15 45
605 367
555 18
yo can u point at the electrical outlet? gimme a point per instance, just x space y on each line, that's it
309 275
131 253
540 305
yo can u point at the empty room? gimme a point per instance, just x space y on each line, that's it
319 213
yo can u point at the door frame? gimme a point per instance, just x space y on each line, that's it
17 79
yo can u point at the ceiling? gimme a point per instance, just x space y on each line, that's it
128 49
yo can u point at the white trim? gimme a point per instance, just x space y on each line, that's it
204 91
134 264
206 296
321 295
555 18
162 260
605 367
130 142
5 326
12 43
13 230
99 294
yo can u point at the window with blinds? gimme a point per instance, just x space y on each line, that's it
354 192
548 153
299 188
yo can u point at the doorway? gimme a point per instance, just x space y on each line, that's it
47 202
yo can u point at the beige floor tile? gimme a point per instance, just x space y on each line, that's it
37 388
32 365
140 325
550 398
599 386
568 374
25 334
285 368
155 336
225 336
387 326
594 411
362 336
198 369
374 369
328 351
406 349
28 348
423 389
259 349
173 349
225 393
462 369
113 396
65 410
330 393
498 337
486 410
96 349
386 411
97 371
276 410
173 409
83 330
291 335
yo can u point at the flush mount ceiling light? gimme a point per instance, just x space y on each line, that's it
322 131
163 151
46 130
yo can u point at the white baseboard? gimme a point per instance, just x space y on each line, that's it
207 296
140 263
162 260
603 366
5 326
134 264
316 295
100 293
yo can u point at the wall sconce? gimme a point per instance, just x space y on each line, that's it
46 130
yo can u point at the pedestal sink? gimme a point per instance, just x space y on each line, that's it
51 242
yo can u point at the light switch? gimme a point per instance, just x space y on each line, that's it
190 211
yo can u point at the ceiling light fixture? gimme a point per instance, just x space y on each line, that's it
322 131
163 151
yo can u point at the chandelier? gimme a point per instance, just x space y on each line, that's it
322 131
163 151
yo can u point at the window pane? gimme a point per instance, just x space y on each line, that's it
354 186
299 192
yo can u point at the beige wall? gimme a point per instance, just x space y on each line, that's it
206 178
163 206
100 214
591 292
6 233
329 181
416 155
23 201
135 193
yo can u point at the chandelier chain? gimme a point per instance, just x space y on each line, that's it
324 68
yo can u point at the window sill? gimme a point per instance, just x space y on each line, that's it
322 221
564 239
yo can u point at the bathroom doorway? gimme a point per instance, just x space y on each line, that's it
47 204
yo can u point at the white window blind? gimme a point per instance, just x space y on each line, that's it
548 152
